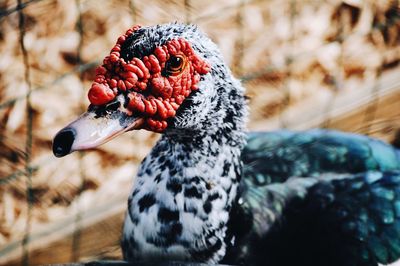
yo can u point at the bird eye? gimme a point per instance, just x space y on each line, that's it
175 65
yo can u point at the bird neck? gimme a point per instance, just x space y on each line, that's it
180 204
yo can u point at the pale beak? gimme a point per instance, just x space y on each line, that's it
91 130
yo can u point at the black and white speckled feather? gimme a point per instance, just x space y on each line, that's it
186 186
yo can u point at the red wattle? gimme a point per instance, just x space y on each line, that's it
100 94
151 93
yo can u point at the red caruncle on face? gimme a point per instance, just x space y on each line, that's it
155 85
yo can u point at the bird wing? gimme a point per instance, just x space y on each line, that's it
351 219
316 198
271 157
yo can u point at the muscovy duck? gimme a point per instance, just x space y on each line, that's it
210 192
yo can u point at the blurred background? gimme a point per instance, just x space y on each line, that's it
305 64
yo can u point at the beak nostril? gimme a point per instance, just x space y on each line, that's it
63 141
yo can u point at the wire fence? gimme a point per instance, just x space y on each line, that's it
28 145
287 67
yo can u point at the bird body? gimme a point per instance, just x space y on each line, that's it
211 192
324 197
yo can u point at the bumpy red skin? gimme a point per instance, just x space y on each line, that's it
164 94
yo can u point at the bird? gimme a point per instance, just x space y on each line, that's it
211 192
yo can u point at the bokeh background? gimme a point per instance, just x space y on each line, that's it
332 64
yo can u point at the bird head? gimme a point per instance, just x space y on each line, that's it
145 83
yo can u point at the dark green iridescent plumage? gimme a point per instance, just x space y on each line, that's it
275 156
317 198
